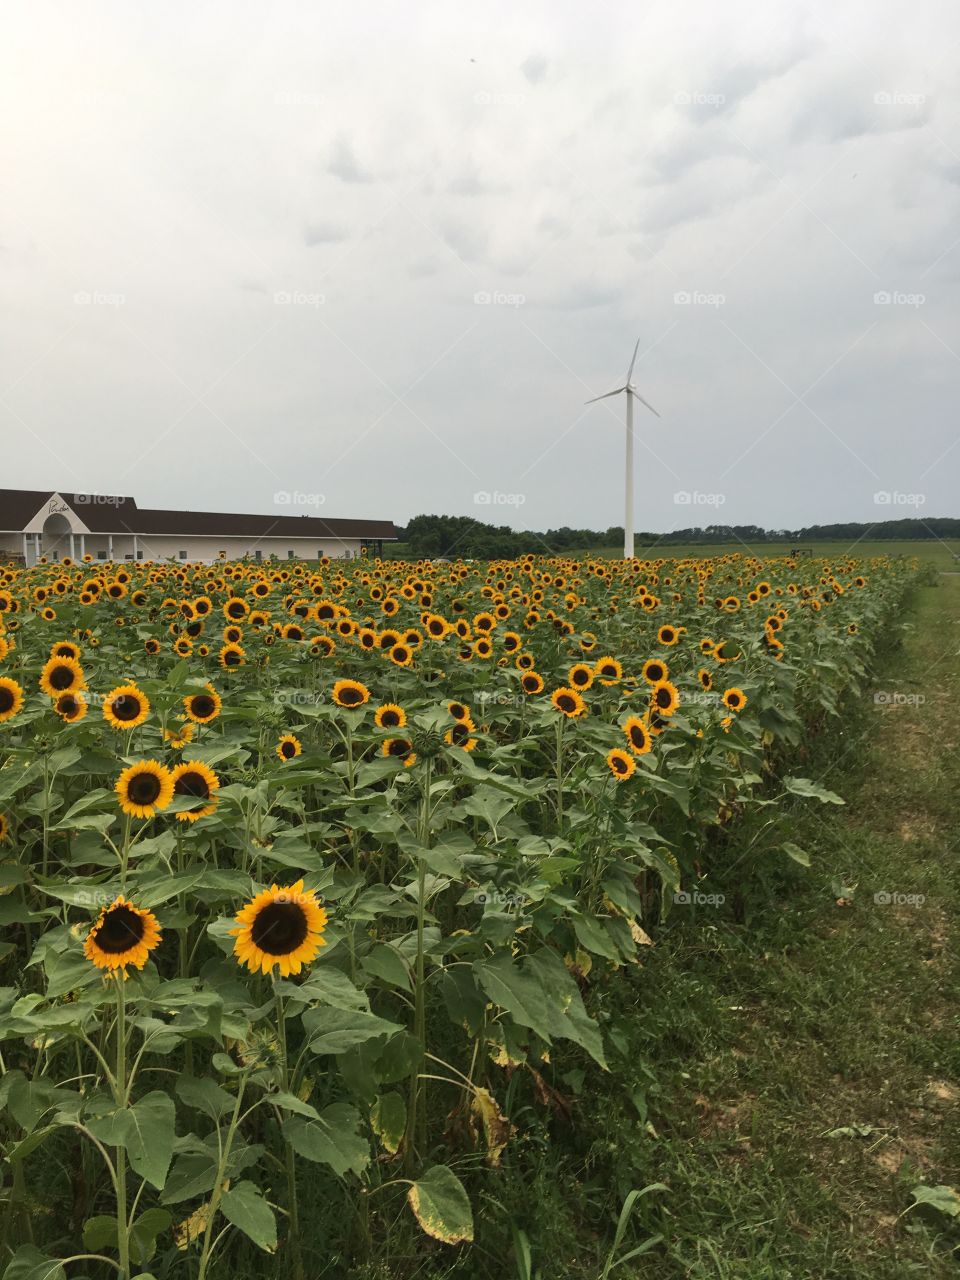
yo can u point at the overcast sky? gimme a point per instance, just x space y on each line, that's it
370 260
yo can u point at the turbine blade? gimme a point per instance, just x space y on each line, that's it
633 362
645 402
606 396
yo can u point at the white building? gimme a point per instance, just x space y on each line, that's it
35 523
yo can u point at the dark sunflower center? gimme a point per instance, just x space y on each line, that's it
288 750
232 658
400 747
126 707
609 672
565 702
349 697
61 677
279 928
192 784
202 705
663 698
6 698
580 677
235 609
637 736
68 705
655 673
143 788
459 733
64 652
619 764
390 718
121 930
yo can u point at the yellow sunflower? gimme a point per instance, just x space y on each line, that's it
70 707
401 655
11 698
459 735
399 749
665 697
390 716
654 670
350 693
61 675
144 788
580 676
608 670
289 747
531 682
621 764
279 927
203 707
638 735
178 736
124 935
197 780
65 649
734 699
125 707
568 702
232 655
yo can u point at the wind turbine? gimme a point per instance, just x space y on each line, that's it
632 394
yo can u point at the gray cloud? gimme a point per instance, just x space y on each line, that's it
343 163
534 68
332 254
323 232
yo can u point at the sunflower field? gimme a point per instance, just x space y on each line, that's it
310 874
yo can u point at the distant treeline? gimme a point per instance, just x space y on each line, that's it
464 537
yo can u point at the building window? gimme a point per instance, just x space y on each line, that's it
289 555
182 555
258 554
101 555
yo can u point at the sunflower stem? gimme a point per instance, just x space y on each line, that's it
124 853
559 801
417 1118
217 1193
120 1095
293 1231
183 943
46 815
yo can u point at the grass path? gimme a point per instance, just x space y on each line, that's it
818 1016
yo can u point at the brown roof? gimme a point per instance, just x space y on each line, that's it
122 515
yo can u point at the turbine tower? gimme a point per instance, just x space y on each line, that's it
632 394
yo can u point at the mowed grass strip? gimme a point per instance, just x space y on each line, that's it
818 1076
